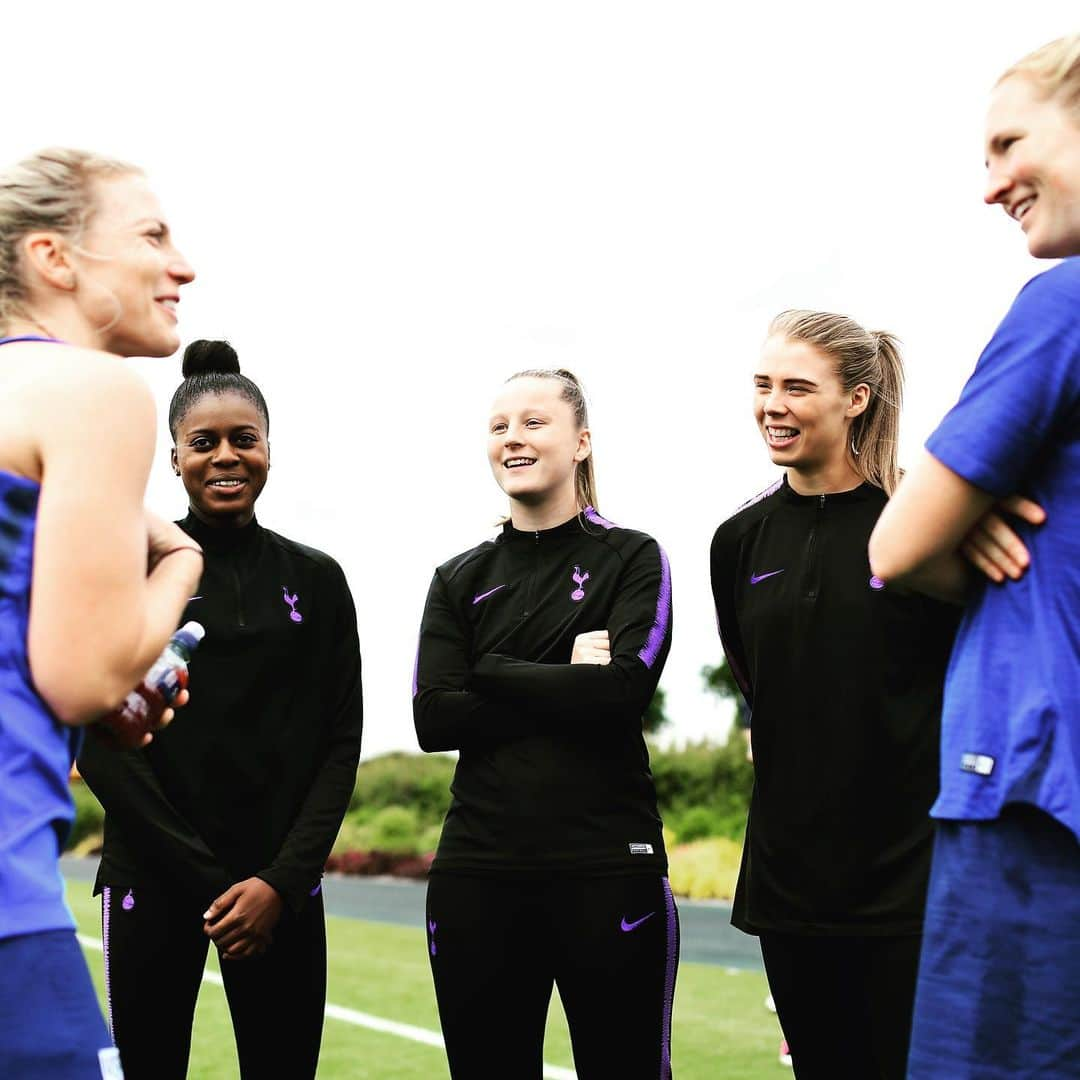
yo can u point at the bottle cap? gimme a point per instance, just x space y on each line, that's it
190 634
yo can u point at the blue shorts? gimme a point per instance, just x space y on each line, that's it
50 1023
998 995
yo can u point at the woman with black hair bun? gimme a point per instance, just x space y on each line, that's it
221 832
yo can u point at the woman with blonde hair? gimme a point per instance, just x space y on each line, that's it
998 992
91 585
843 677
539 653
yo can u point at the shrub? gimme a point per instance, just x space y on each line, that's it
89 816
706 776
352 836
697 823
418 781
429 838
705 869
396 829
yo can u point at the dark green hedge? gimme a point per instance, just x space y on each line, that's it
703 790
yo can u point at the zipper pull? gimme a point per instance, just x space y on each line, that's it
822 498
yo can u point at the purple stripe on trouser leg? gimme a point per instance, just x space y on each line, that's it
106 896
669 981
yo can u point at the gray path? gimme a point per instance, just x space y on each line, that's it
707 934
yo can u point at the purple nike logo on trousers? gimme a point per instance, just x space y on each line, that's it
484 595
755 578
628 926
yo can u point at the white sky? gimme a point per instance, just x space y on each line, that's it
394 206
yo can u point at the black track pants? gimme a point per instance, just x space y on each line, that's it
497 947
155 951
844 1003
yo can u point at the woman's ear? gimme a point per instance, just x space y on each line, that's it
584 446
860 398
47 255
174 461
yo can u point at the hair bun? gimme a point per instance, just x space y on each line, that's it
203 356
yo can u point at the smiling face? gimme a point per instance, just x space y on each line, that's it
128 273
222 455
535 444
1033 162
803 412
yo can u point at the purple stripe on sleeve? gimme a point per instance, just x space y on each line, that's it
106 897
651 649
592 516
672 964
761 495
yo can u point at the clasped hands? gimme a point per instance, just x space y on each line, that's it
241 921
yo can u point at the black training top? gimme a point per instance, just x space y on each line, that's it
255 773
554 773
844 679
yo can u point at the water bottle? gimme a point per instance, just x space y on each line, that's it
142 708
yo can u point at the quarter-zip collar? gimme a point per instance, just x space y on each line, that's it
864 491
573 527
221 539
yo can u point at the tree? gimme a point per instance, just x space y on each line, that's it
655 717
721 681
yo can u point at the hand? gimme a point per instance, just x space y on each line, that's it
592 647
166 718
241 921
113 737
993 547
163 537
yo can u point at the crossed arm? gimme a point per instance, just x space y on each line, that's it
937 526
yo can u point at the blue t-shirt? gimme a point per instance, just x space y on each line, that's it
1011 720
36 750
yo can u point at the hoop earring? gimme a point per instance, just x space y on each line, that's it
854 450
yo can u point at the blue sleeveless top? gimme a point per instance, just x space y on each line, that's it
36 750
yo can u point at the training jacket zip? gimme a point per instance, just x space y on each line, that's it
257 771
844 678
553 772
240 621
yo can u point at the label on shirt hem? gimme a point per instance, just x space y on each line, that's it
109 1060
980 764
640 849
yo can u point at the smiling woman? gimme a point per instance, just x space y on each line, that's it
91 585
539 653
221 833
844 681
1006 868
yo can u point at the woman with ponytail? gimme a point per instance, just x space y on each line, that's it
91 584
843 677
219 831
539 653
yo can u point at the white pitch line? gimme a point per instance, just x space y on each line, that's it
362 1019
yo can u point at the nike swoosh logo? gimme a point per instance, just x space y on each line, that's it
628 926
755 578
484 595
190 598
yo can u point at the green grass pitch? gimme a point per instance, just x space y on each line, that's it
720 1027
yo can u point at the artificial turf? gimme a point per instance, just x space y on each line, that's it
720 1027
